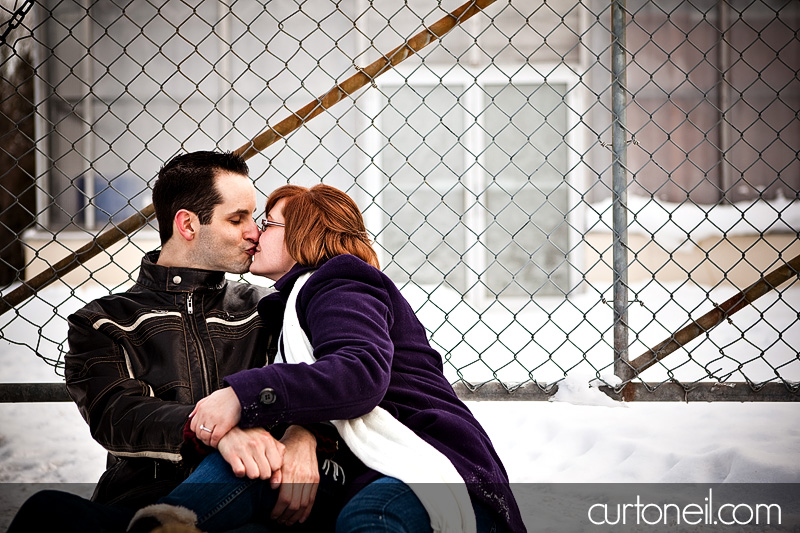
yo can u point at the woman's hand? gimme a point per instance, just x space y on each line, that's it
215 415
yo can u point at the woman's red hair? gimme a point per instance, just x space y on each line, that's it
322 222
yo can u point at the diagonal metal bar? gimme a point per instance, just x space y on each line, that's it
364 76
78 257
717 315
263 140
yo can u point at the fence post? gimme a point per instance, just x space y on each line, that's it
619 147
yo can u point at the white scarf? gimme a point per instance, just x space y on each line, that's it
387 446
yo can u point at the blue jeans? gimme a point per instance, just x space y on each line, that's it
223 501
388 505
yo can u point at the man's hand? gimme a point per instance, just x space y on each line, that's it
299 477
252 452
215 415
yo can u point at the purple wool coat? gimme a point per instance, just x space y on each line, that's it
371 349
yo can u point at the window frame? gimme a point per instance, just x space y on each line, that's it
472 80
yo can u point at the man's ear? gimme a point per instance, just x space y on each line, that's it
185 223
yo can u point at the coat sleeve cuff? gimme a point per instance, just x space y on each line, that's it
262 406
193 450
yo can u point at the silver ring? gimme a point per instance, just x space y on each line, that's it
203 428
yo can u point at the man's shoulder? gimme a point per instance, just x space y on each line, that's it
249 291
118 300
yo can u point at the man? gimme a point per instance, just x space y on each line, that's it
140 360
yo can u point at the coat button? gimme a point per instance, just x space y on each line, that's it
267 396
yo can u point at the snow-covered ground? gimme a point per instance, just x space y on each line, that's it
539 442
580 437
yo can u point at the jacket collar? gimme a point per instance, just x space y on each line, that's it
176 279
286 282
271 307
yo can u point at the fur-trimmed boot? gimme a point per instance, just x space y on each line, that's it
163 518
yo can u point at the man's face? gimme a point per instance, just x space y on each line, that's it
230 240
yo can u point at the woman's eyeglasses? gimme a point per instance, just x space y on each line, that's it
267 223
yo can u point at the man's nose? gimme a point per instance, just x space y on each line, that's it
253 232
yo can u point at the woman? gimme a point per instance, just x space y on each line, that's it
361 359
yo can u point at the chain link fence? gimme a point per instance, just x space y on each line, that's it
557 187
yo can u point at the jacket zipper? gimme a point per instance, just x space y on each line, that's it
200 352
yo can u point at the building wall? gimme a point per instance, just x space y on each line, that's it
738 260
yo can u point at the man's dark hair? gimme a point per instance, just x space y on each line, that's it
187 182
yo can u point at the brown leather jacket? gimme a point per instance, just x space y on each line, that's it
139 361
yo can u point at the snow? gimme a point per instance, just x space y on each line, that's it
580 436
674 225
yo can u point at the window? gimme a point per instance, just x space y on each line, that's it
714 94
112 108
473 186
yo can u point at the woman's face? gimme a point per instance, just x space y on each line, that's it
271 259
